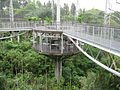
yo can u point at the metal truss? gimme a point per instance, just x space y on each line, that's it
94 59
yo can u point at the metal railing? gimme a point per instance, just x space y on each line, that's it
104 36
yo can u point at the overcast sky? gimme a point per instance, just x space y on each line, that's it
89 4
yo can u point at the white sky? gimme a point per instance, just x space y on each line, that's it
89 4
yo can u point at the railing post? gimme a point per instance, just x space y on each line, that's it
11 39
111 36
101 34
93 33
18 38
40 35
34 36
61 43
87 28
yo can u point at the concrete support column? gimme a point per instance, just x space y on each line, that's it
58 70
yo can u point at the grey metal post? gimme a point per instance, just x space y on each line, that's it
93 33
18 38
77 8
101 35
58 14
53 10
40 35
61 43
33 38
77 42
77 34
111 36
107 16
50 45
11 13
11 39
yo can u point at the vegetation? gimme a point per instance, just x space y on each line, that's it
32 18
22 68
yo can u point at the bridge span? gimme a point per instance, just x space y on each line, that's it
103 37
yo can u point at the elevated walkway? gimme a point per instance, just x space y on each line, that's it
103 37
50 39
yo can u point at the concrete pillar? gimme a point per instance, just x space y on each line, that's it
58 69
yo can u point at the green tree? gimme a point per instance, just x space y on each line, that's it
66 9
93 16
73 9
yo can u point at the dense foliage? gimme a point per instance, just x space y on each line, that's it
24 69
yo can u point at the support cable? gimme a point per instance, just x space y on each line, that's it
95 61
